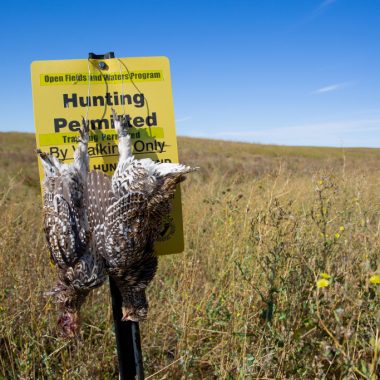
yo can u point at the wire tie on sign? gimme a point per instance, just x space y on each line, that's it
88 91
122 88
135 86
105 83
103 66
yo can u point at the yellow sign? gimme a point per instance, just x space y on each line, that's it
139 88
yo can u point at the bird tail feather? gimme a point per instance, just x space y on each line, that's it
100 197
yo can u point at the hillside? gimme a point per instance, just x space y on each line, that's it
263 224
218 157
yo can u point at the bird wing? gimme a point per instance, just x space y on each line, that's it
118 223
70 240
87 273
64 220
129 177
167 177
126 225
161 169
65 215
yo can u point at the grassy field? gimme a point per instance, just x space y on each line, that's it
263 226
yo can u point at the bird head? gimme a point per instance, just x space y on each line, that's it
69 323
69 301
134 314
134 305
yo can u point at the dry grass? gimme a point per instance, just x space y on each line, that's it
261 224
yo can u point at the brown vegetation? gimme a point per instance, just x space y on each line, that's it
262 225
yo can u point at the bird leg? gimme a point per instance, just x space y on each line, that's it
81 159
83 132
123 137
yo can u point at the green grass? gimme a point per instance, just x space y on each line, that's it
261 224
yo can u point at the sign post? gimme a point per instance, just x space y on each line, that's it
139 89
128 344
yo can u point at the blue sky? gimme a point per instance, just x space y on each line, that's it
294 72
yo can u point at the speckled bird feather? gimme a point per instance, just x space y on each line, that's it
72 244
142 191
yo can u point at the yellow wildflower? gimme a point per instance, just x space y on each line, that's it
375 279
337 235
322 283
325 276
341 228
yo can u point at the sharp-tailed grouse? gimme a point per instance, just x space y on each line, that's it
80 268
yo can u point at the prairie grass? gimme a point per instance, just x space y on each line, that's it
263 224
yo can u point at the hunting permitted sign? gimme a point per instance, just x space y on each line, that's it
139 88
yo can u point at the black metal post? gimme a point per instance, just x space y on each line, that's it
127 334
127 341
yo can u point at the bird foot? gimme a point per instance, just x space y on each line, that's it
116 121
83 132
121 125
41 153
